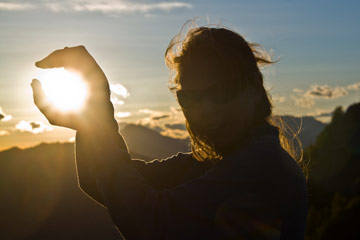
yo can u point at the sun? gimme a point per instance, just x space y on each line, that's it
65 90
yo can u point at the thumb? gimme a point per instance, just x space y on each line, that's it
39 96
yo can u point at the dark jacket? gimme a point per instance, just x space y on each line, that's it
256 192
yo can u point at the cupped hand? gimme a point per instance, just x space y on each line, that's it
97 106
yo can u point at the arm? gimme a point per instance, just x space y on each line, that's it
159 173
197 207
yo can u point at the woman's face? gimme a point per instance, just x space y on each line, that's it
209 109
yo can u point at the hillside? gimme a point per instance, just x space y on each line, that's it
40 197
334 178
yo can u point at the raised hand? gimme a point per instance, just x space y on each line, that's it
98 105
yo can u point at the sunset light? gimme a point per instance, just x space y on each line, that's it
261 142
65 90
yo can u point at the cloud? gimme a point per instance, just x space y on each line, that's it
298 90
33 127
160 117
103 6
303 101
4 117
175 133
307 98
114 6
10 6
355 86
320 113
179 126
4 133
122 114
169 123
119 90
278 99
155 115
116 101
324 91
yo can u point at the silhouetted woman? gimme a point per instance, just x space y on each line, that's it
237 183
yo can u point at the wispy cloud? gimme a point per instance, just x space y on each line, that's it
160 117
325 91
11 6
355 86
103 6
116 101
278 99
303 101
113 6
118 94
298 90
169 123
33 127
179 126
322 115
122 114
175 133
119 90
307 98
4 133
4 117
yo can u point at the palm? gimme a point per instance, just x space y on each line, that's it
79 60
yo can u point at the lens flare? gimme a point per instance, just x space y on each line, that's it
65 90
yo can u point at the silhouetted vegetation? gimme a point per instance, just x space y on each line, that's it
334 178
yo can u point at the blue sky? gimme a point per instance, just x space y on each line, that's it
316 43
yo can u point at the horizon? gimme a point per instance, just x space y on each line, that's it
313 41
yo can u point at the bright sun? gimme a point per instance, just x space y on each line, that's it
65 90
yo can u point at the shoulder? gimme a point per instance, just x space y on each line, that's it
264 162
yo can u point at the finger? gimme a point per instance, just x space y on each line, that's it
53 60
54 116
72 58
39 96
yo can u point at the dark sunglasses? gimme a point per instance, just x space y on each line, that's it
217 94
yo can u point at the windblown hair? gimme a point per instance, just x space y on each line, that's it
241 62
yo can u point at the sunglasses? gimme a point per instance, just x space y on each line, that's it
217 94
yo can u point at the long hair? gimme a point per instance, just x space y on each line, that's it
241 62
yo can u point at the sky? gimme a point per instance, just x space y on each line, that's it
315 43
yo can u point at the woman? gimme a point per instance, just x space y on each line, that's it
237 183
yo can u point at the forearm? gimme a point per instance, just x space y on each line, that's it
85 145
121 187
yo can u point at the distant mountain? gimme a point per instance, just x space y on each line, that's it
149 142
143 141
309 128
